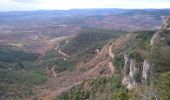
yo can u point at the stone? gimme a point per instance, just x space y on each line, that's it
146 70
161 33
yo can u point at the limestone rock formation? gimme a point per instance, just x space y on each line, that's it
146 70
161 32
127 64
135 71
132 72
126 79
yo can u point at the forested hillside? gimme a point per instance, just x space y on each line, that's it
142 70
85 54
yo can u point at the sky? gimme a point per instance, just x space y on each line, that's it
27 5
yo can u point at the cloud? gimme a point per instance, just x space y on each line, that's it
8 5
25 1
11 5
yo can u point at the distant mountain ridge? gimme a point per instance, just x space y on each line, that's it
84 12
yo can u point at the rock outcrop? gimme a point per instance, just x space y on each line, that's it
146 72
132 73
126 79
135 71
162 32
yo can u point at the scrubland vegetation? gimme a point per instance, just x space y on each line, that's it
27 58
81 48
18 70
111 88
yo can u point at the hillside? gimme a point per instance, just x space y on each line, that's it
70 53
140 68
93 54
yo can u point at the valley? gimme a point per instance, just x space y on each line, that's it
97 54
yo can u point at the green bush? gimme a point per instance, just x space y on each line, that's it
120 94
134 54
143 39
119 62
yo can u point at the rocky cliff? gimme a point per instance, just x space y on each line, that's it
136 73
162 32
132 72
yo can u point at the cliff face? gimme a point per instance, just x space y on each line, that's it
136 73
126 79
132 72
162 32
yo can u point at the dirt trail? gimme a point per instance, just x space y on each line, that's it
9 68
62 53
100 66
110 63
46 44
111 54
112 67
58 40
95 68
58 45
53 71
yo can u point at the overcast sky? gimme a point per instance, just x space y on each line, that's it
22 5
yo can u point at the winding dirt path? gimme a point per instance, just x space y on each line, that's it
97 64
111 54
112 68
110 63
100 60
100 66
53 71
62 53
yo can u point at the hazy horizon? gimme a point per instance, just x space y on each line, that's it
30 5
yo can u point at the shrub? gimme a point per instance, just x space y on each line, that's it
120 94
134 54
119 62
